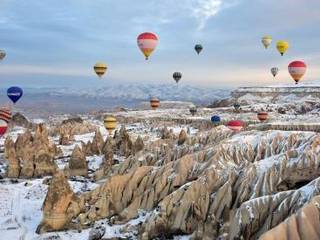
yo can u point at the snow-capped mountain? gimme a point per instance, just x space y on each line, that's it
141 92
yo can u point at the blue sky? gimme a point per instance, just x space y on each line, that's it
55 43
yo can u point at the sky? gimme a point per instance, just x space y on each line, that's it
55 43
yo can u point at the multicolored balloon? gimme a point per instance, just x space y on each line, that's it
262 116
177 76
266 41
154 103
297 69
2 54
282 47
274 71
147 42
198 48
14 93
100 69
235 125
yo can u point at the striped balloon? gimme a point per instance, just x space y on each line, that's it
147 42
262 116
5 114
297 69
100 69
154 103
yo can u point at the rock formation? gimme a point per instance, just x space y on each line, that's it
60 204
70 127
77 164
215 185
19 120
304 224
182 137
31 155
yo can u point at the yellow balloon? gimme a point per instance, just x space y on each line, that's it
100 69
282 47
266 41
110 123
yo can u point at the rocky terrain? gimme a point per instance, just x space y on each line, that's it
164 174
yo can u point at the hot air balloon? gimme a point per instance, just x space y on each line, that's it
3 127
5 117
236 106
5 114
235 125
274 71
100 69
193 110
262 116
154 103
282 47
110 123
297 69
266 41
198 48
177 76
215 119
147 42
2 54
14 93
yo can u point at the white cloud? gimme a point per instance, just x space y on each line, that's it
203 10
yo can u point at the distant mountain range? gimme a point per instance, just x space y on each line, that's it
46 101
142 92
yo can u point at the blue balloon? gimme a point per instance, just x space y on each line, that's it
14 93
215 119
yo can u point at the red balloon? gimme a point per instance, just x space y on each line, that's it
147 42
235 125
297 69
3 127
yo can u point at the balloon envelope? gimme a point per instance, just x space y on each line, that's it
110 123
147 42
297 69
3 127
154 103
262 116
274 71
235 125
177 76
14 93
5 114
215 119
100 69
236 106
2 54
266 41
282 47
198 48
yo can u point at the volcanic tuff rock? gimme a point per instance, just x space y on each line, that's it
32 154
182 137
78 165
70 127
304 224
19 120
60 204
